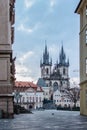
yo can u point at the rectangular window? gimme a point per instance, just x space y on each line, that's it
86 36
30 99
33 99
36 99
23 99
86 65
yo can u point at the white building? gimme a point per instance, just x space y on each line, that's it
63 100
28 95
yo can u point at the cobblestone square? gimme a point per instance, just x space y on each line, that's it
46 120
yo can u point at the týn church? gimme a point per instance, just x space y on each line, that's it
54 76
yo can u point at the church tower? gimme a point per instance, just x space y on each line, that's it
63 68
45 64
55 77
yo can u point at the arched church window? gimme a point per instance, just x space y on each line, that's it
55 86
61 83
47 70
43 70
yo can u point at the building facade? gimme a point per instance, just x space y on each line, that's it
28 95
7 20
62 100
55 76
82 11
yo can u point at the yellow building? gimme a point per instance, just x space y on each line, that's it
82 10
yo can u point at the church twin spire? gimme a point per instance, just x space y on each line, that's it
47 61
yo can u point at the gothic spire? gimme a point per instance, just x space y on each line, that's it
46 51
45 59
46 56
62 57
68 61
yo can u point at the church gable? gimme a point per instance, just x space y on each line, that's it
38 89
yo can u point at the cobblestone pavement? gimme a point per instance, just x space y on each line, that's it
46 120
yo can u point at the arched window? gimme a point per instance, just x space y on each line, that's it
55 86
47 71
36 99
33 99
39 99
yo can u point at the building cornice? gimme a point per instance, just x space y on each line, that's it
79 6
6 95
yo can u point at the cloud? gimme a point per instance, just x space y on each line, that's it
29 3
23 78
24 29
23 72
25 56
52 3
21 68
28 30
26 67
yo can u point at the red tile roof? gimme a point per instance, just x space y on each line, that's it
23 84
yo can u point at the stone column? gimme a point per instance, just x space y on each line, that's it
7 14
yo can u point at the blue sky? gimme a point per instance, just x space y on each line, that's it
40 20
